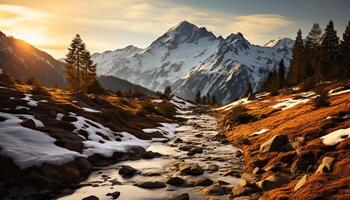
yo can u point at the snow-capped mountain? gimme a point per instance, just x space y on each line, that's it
190 58
22 60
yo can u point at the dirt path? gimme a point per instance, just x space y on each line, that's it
196 141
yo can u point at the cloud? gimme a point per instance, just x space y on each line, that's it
111 24
259 26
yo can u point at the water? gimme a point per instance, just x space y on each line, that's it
213 153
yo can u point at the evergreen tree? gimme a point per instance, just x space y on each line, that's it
204 99
208 99
198 97
329 52
345 52
296 62
271 83
167 92
213 100
80 69
311 55
281 74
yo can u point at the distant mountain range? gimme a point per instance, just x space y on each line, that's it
189 58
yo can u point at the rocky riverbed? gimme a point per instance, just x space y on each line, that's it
199 163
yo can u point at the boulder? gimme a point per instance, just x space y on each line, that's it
248 179
178 140
114 195
258 170
276 143
176 181
203 182
272 182
195 150
239 190
29 123
326 165
150 155
127 171
301 182
190 169
244 140
212 167
239 153
198 135
183 196
92 197
150 184
215 189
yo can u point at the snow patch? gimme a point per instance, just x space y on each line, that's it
336 137
262 131
290 103
28 147
234 104
90 110
340 92
30 101
157 100
59 116
168 130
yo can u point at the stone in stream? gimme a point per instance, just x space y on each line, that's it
215 189
212 167
190 169
150 184
127 171
178 140
114 195
152 172
248 179
176 181
92 197
29 123
276 143
183 196
150 155
198 135
239 190
203 182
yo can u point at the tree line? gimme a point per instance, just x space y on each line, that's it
205 99
317 58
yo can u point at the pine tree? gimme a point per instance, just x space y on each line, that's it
281 74
213 100
198 97
208 99
271 83
311 56
204 99
296 62
329 52
345 52
167 92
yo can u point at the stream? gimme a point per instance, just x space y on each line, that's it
197 130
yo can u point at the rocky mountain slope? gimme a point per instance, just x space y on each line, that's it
190 58
22 60
292 148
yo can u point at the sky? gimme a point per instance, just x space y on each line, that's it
111 24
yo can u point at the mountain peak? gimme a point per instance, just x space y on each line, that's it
280 43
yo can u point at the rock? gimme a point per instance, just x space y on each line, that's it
215 189
254 196
244 140
288 157
298 142
203 182
92 197
199 135
248 179
276 143
238 153
212 167
152 172
176 181
150 155
195 150
274 167
185 148
259 163
183 196
190 169
234 173
258 170
29 123
178 140
225 141
239 190
326 165
272 182
138 150
114 195
300 183
150 184
223 182
127 171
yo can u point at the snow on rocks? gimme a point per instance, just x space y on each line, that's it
338 91
182 106
290 103
59 116
22 107
234 104
157 100
336 137
30 101
28 147
103 141
262 131
168 130
91 110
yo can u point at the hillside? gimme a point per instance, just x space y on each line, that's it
191 58
22 60
291 148
53 138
